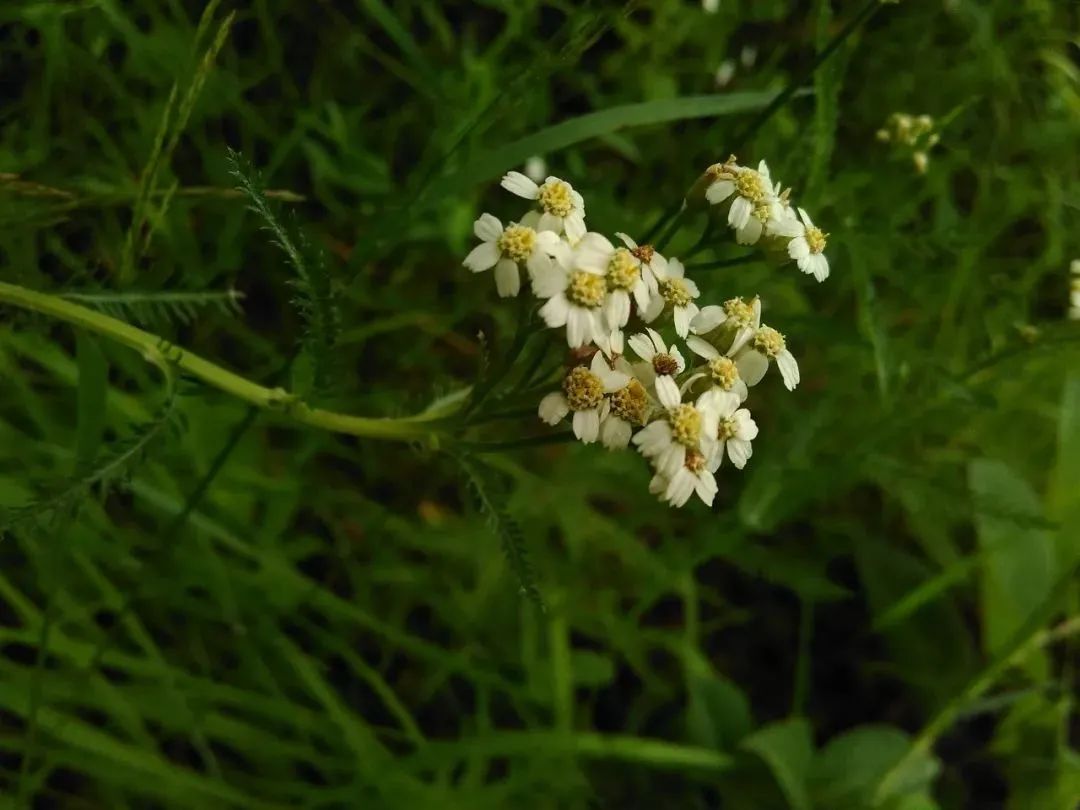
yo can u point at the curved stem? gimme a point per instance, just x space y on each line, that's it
167 356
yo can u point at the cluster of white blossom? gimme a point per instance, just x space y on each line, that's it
683 417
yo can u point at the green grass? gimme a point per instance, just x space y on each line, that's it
208 601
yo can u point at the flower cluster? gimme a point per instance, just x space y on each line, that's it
684 411
913 135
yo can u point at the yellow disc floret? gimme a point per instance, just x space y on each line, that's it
583 389
518 242
631 403
622 271
728 428
815 239
768 341
685 425
723 372
739 312
664 363
556 198
749 184
675 292
586 289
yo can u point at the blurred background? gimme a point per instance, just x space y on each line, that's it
214 607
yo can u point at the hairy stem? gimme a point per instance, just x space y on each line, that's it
162 353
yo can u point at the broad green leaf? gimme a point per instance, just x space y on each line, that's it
93 383
717 713
593 125
1020 568
849 767
788 749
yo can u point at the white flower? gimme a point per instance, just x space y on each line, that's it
748 190
737 429
710 6
623 268
678 292
685 435
808 248
680 443
622 411
575 300
660 360
583 391
721 371
535 168
507 248
752 356
735 313
562 208
653 265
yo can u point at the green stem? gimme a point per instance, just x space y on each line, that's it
167 356
751 257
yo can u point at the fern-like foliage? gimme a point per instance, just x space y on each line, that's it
158 309
314 298
111 469
491 497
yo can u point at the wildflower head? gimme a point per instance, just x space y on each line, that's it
664 363
675 292
685 423
556 197
723 372
631 403
768 341
518 242
623 270
695 461
583 389
644 253
586 289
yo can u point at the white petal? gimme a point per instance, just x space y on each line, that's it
574 225
656 340
538 263
741 338
626 240
820 266
549 222
716 458
555 311
741 209
587 425
789 369
749 233
671 460
519 184
745 426
617 309
615 433
707 319
705 486
487 228
806 218
719 191
549 281
740 390
553 408
641 294
654 439
701 347
593 252
739 452
507 278
667 392
752 366
798 248
656 306
657 485
578 328
679 488
678 358
530 219
482 257
675 269
682 321
642 346
755 305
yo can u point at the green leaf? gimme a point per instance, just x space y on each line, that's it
1065 496
788 749
93 383
849 767
717 713
593 125
1020 568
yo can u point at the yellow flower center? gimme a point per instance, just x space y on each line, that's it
728 428
695 461
665 364
768 341
685 425
675 292
816 239
622 270
583 389
761 212
586 289
739 312
556 198
518 242
630 403
723 371
748 184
